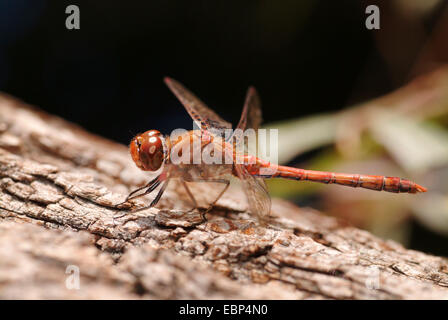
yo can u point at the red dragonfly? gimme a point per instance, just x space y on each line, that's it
151 151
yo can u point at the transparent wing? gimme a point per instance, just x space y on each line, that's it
255 188
251 116
203 116
256 192
245 136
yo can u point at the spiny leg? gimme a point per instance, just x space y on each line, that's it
151 185
136 190
225 181
157 198
190 194
150 189
159 194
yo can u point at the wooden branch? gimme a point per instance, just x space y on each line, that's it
59 187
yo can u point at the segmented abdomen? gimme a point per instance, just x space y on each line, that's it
379 183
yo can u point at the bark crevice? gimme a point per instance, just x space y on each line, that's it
59 187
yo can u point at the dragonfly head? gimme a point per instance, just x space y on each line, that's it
148 150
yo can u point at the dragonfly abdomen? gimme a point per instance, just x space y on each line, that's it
379 183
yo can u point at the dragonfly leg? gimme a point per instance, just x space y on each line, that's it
148 191
190 194
159 194
227 183
224 181
151 185
134 192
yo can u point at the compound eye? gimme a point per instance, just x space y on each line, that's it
147 150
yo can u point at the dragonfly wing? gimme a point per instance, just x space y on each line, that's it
245 141
203 116
256 192
251 116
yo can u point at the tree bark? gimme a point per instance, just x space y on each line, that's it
59 189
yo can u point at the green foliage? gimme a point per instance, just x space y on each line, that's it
407 130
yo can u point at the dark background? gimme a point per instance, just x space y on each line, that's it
304 57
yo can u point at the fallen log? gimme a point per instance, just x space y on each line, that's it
62 236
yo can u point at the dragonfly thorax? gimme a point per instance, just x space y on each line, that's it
148 150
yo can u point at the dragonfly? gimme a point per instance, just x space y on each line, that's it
152 151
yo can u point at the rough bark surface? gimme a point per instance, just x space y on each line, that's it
59 186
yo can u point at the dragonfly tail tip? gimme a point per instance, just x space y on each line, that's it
421 189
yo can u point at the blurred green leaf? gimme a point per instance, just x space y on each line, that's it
404 129
301 135
432 211
416 146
